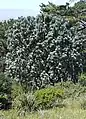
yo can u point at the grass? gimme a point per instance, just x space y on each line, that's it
73 106
72 110
58 113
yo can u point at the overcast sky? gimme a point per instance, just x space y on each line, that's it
16 8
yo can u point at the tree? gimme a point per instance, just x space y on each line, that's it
73 14
44 50
54 9
3 39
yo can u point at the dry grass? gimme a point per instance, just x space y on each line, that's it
74 108
56 113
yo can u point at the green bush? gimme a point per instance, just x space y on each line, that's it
5 91
72 90
83 102
4 102
5 84
82 79
21 100
17 90
83 105
25 102
46 98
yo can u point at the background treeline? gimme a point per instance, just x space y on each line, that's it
36 52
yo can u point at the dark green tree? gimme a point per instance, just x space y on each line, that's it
3 39
44 50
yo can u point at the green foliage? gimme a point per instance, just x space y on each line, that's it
3 39
24 102
5 84
5 91
44 50
40 51
49 9
64 113
72 90
57 96
81 5
82 79
73 14
45 98
17 90
4 102
83 104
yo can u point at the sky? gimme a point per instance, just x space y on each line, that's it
16 8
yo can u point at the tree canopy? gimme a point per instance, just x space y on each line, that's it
44 50
47 48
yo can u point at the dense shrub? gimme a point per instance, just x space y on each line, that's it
5 103
72 90
45 98
5 84
17 90
82 79
22 100
44 50
5 91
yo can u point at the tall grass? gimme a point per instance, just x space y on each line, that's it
56 113
72 105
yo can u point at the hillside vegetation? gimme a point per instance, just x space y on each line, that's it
43 64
